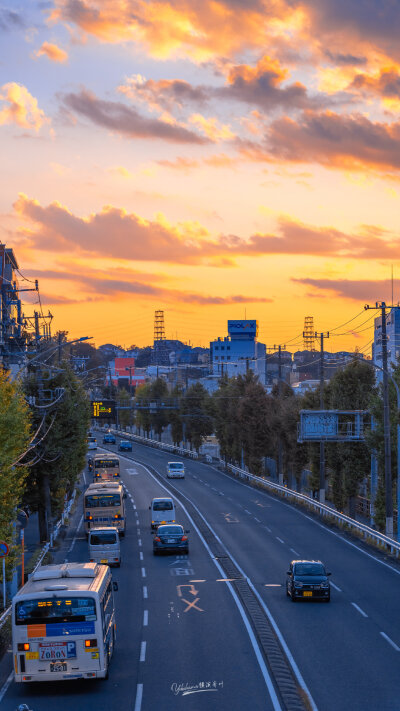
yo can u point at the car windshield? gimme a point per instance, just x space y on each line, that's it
98 539
162 506
175 465
55 609
170 530
124 441
309 569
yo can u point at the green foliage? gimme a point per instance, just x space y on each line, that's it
15 435
61 454
125 417
196 414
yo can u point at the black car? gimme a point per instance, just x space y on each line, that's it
109 439
307 580
90 464
125 446
170 538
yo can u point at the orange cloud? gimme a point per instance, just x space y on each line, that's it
137 239
56 54
20 107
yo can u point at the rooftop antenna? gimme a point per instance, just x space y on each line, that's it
392 284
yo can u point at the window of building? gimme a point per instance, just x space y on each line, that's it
222 348
228 348
228 357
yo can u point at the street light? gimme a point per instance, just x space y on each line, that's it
370 362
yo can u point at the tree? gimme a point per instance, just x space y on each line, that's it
123 400
142 415
15 434
159 398
61 448
254 423
196 414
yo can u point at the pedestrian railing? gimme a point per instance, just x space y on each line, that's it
53 536
159 445
323 510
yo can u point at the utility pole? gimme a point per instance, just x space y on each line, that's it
280 452
130 368
381 306
45 520
321 336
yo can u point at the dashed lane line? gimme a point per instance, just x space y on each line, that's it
143 572
336 587
293 551
143 652
257 519
393 644
139 696
5 686
145 618
141 555
145 593
139 542
364 614
76 535
279 539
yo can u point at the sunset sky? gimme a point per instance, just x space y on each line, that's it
212 158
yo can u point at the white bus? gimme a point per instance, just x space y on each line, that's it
104 505
63 623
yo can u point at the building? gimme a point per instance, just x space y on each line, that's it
122 373
393 340
238 351
12 341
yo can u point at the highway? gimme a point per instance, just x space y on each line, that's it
180 626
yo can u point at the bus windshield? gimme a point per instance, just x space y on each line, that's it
106 463
94 501
55 609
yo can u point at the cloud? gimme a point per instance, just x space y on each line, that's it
115 233
18 106
385 84
368 291
212 128
97 285
126 121
335 141
56 54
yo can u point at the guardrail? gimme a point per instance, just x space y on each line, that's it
53 536
324 511
155 443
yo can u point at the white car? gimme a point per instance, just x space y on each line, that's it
92 443
175 470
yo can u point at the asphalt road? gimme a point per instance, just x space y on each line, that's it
348 651
179 629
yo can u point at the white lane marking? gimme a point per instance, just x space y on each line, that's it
279 539
268 529
141 555
248 512
221 493
364 614
84 478
145 618
214 489
134 507
131 472
138 531
205 484
320 525
143 652
336 587
5 686
76 535
140 542
257 519
383 635
139 696
145 595
293 551
136 514
268 681
194 476
143 572
138 523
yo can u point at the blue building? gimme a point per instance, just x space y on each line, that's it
393 340
239 350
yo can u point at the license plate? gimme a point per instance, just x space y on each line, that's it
307 593
50 651
104 560
58 666
171 540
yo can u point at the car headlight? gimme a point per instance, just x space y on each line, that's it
298 585
325 584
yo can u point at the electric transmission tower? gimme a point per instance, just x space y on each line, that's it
159 327
309 334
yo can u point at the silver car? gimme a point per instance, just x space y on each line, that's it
175 470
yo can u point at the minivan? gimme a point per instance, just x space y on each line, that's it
104 546
175 470
162 511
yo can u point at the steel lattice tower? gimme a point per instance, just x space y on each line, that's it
309 333
159 327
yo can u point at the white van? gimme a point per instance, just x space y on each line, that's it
175 470
162 511
104 546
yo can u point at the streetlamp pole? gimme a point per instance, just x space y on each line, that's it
130 368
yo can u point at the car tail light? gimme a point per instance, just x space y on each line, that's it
90 642
184 538
116 559
24 646
158 539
